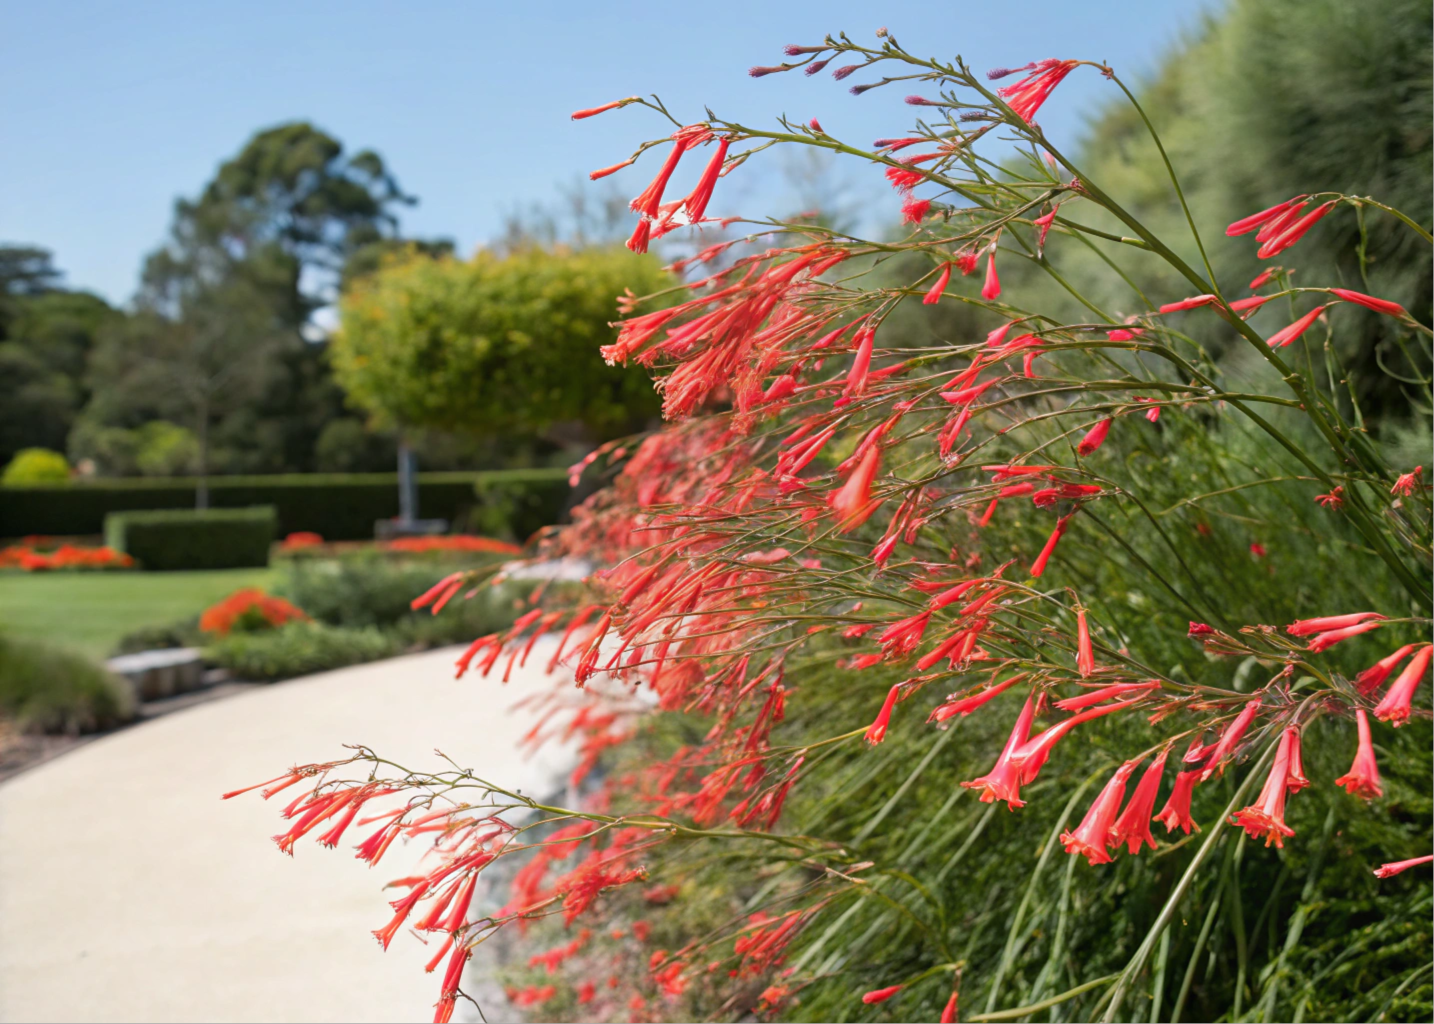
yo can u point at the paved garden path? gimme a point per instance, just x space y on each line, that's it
130 892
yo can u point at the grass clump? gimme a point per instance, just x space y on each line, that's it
45 688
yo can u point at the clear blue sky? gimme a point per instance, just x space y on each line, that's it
111 110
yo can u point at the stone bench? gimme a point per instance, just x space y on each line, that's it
160 673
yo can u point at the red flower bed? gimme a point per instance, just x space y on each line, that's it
249 609
300 540
459 542
67 556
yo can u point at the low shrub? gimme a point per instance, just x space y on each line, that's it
248 611
184 633
51 689
194 539
299 648
341 506
36 466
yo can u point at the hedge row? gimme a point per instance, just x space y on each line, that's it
216 538
340 506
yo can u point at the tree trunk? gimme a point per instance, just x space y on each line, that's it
201 491
407 483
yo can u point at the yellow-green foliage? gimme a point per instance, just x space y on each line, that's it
36 466
495 345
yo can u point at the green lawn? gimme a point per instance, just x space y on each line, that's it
90 611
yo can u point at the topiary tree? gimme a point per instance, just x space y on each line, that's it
495 345
36 466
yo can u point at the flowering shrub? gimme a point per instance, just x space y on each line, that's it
456 542
29 557
300 540
247 610
850 542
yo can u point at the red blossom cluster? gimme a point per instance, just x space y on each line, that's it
249 608
29 557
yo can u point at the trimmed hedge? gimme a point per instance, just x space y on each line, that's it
340 506
216 538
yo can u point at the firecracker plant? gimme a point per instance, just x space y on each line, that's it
850 537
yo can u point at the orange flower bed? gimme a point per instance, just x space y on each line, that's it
249 608
66 556
301 539
460 542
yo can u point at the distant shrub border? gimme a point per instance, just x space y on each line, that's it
228 538
340 506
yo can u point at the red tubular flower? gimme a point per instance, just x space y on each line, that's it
1294 232
1085 656
861 364
1266 817
696 203
1400 695
1039 565
852 502
1094 438
876 732
966 705
1373 677
1252 303
1190 303
1396 867
1133 825
913 211
933 295
603 172
948 1012
1362 779
1291 333
1026 96
592 111
1092 836
1085 700
881 995
991 290
1199 629
1370 302
1030 757
1230 739
1407 483
1308 627
1043 228
1278 224
1245 225
1324 641
451 583
1176 813
1003 781
1334 499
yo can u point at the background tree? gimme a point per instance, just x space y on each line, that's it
228 339
216 355
495 345
46 335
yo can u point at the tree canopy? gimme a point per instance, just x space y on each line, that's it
495 344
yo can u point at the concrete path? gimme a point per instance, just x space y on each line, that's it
130 892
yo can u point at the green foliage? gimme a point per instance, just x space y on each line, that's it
36 466
495 345
337 506
46 337
299 648
165 449
194 539
51 689
1305 96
